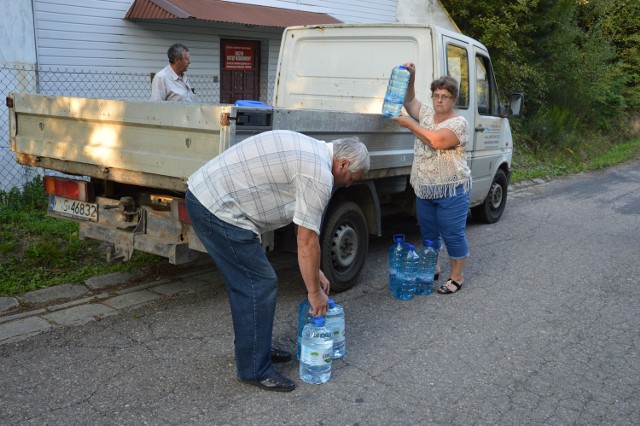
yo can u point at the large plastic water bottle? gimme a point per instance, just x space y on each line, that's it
396 91
334 319
406 286
304 318
397 253
426 268
316 351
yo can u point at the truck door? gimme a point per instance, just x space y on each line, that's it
457 66
486 131
240 70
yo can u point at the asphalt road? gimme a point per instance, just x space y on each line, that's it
546 330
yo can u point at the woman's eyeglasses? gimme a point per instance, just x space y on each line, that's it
443 97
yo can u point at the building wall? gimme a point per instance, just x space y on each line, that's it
91 34
352 11
16 52
94 36
424 11
16 32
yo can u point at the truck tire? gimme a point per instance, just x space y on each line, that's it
492 207
344 242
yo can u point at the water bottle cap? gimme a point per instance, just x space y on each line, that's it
428 243
332 304
402 67
398 238
411 247
318 321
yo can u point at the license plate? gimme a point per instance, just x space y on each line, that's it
73 208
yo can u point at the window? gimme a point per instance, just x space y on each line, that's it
486 88
458 68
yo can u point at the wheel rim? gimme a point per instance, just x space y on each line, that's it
344 246
496 195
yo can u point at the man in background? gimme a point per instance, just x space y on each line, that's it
171 83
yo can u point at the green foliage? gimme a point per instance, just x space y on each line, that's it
577 61
619 22
30 197
592 155
37 251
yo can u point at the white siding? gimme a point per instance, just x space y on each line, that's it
95 36
350 11
424 11
92 36
16 33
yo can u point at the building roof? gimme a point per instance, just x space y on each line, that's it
224 11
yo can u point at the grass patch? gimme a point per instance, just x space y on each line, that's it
528 165
37 251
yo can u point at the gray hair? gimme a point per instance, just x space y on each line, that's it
354 151
176 51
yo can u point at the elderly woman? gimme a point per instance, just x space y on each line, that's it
440 176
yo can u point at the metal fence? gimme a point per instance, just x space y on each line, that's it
79 83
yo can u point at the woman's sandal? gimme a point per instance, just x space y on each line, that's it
446 288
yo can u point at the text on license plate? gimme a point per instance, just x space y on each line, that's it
73 208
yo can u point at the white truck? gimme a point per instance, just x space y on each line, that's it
133 158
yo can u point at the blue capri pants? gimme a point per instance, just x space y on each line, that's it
445 218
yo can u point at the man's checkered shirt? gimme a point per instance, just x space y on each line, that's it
267 181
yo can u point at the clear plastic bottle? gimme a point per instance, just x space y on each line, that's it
407 275
426 268
334 319
304 318
397 253
315 356
396 91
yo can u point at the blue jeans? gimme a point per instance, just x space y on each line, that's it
252 286
445 218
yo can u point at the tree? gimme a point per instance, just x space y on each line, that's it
619 22
577 70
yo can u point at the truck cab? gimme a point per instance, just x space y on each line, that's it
347 68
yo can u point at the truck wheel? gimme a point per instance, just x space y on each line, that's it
344 243
493 206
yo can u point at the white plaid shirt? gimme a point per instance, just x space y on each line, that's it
267 181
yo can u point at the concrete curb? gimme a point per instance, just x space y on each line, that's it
101 302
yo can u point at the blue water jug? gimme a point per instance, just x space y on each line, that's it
334 319
304 318
406 287
396 91
397 253
426 268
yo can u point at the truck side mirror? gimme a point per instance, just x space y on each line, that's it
516 104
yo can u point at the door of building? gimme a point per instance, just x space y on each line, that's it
240 70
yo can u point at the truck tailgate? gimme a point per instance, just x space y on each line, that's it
145 143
